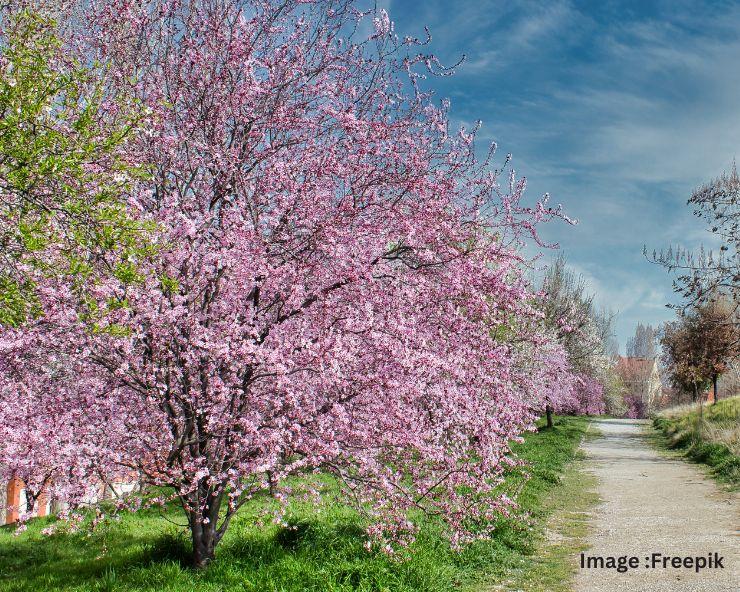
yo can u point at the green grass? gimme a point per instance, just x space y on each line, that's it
323 551
711 437
566 512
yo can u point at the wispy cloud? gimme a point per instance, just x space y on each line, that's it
523 37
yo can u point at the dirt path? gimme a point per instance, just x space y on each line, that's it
652 504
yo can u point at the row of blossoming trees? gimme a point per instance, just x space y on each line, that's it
240 242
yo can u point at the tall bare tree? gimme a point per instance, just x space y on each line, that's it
644 342
703 274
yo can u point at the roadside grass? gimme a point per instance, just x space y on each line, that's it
565 514
321 550
708 435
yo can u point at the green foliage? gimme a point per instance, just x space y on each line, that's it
709 437
169 285
17 301
64 171
318 550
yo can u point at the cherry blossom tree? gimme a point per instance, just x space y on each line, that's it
44 439
335 270
548 377
590 394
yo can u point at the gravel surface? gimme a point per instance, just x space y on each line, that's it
652 504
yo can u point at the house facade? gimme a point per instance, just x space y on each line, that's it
13 494
13 498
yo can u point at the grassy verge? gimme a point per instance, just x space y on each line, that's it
322 552
564 512
708 435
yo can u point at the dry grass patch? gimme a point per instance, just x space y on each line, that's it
709 434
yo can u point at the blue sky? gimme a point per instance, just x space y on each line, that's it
617 109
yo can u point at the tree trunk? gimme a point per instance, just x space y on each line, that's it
204 544
548 413
203 522
716 392
31 499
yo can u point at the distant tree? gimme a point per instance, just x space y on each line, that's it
586 336
549 378
570 312
719 336
634 406
614 391
644 342
682 357
702 345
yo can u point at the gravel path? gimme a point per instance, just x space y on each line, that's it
652 504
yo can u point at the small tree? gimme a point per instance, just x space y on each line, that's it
718 334
682 356
701 345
